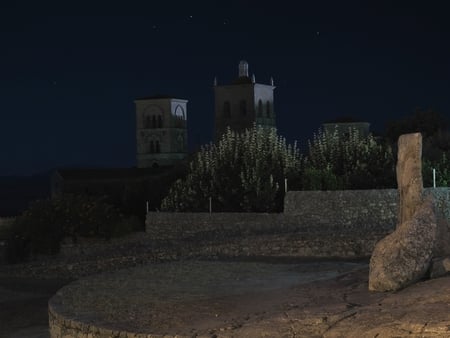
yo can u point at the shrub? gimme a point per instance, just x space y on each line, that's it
357 161
243 172
41 228
320 179
442 167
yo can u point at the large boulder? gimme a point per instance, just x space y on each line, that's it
404 256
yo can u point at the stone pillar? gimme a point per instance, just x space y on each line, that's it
409 175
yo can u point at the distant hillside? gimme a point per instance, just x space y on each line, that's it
16 192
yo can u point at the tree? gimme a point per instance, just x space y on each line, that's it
428 122
243 172
350 161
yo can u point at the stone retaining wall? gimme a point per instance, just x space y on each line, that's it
305 211
64 327
343 223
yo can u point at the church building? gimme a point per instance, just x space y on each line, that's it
243 102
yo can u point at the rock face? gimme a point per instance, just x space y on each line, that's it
409 175
404 256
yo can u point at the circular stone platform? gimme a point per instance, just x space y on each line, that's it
183 299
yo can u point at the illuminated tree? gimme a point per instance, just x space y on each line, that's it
243 172
350 161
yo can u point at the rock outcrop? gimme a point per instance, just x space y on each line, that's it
404 256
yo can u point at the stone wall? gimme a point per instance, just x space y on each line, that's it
334 212
63 327
344 208
326 224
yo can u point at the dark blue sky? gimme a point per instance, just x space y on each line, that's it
70 73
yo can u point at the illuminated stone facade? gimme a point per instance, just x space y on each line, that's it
161 131
243 103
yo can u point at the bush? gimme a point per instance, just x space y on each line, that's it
442 167
357 161
41 228
321 179
243 172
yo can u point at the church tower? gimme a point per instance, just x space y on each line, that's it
243 102
161 131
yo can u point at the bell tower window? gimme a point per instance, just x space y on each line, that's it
268 109
152 147
260 108
243 107
226 109
159 121
147 122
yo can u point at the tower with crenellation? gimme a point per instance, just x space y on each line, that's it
243 102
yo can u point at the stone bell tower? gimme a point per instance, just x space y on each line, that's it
161 131
239 104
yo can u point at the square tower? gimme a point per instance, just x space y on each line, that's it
161 131
243 103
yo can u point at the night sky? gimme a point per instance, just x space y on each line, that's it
69 73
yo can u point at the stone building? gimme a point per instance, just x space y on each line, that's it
344 124
242 103
161 131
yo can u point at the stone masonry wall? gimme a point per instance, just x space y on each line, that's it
343 224
305 211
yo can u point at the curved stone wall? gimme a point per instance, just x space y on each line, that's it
62 326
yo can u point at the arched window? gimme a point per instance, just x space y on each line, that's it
153 121
243 107
147 122
158 148
268 109
179 117
152 147
159 121
226 109
180 143
260 108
